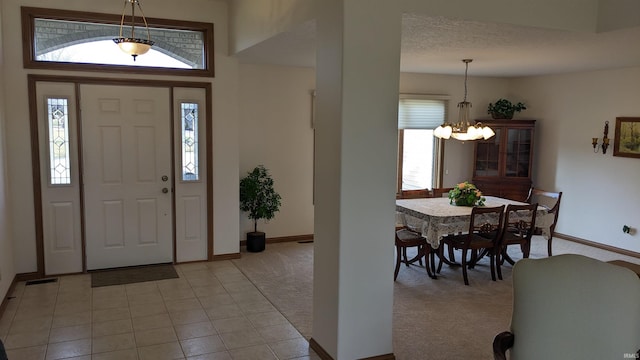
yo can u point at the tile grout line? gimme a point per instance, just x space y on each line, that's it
272 304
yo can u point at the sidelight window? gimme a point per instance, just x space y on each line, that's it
190 166
58 135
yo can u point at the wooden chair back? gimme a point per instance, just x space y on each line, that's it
519 226
551 201
486 222
441 192
519 222
416 194
548 199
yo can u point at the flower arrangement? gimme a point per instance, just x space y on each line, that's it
466 194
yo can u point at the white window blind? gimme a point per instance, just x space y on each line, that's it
421 111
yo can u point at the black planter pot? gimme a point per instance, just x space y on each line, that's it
255 241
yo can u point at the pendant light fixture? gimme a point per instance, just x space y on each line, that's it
464 130
132 45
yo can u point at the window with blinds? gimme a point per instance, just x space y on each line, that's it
419 150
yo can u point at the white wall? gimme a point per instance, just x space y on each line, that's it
600 192
275 131
224 127
253 21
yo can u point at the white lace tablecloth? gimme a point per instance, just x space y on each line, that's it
435 217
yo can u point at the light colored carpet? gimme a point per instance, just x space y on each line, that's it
433 319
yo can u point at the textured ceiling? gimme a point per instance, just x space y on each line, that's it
437 45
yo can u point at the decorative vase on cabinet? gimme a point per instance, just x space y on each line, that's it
503 163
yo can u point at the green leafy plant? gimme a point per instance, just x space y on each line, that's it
257 195
504 109
466 194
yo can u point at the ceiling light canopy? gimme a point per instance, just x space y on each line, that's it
464 130
132 45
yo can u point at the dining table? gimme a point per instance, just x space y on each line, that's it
437 217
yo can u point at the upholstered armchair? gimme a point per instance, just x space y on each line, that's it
572 307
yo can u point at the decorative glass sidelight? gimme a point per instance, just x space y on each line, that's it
58 135
190 166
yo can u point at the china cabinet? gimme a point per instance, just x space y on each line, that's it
502 164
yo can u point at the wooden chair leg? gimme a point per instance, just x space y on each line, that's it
452 255
432 260
427 253
398 260
526 250
507 257
464 267
474 259
404 256
549 245
492 259
496 258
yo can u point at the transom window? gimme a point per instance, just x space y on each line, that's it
60 39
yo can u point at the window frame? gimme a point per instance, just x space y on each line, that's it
29 14
438 151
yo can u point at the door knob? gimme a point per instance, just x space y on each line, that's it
165 178
165 190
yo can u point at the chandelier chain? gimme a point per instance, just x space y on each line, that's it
466 69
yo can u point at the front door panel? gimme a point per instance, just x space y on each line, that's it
126 153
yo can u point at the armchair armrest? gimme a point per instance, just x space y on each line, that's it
501 343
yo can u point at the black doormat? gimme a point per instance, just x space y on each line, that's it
132 275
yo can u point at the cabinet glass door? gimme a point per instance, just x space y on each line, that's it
487 156
518 148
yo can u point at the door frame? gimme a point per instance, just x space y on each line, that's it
33 79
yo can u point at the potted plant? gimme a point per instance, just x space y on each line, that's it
261 201
504 109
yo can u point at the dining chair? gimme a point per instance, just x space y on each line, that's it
415 194
485 226
551 201
406 238
441 192
518 227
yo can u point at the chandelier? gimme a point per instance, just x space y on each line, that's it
464 130
132 45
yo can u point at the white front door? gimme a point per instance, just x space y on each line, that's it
127 175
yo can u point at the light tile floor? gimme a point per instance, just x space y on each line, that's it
212 312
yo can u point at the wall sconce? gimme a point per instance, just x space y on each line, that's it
605 140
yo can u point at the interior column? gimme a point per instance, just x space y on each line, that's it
358 62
